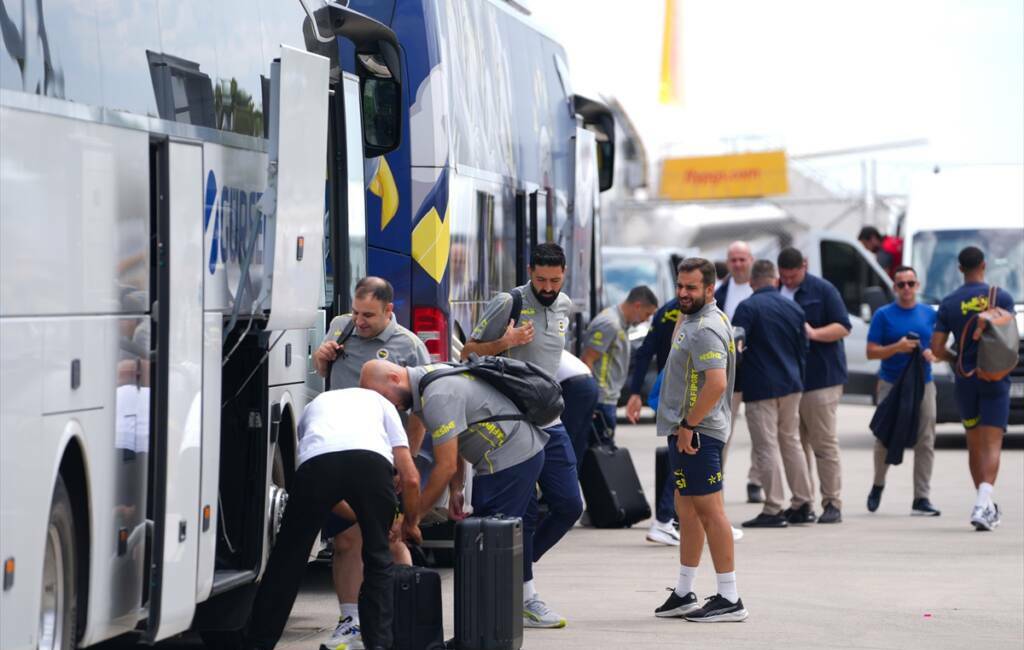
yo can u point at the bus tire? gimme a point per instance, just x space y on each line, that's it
59 603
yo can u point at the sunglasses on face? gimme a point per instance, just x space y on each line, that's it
907 283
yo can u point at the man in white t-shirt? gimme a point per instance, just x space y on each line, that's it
351 441
734 290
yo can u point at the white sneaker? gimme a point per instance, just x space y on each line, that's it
737 534
346 636
536 613
663 533
985 518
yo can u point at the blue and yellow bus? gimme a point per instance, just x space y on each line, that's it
497 155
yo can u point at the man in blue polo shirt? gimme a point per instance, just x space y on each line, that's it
827 325
984 405
772 383
887 340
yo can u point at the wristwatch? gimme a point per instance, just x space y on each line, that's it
686 425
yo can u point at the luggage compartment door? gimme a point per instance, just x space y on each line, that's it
297 175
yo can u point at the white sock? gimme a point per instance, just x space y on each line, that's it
984 495
727 586
350 609
687 574
529 591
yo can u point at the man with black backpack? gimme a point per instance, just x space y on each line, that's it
529 323
984 405
468 417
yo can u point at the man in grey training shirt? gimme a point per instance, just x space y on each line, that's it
538 336
695 413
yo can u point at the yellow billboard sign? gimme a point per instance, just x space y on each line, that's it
724 177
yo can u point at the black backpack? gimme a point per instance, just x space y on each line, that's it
534 392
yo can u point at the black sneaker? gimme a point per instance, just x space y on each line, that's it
677 606
875 497
923 508
717 609
831 515
801 515
765 520
754 493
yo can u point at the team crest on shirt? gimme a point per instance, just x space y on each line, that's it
382 353
562 325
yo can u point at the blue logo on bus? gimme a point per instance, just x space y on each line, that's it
234 214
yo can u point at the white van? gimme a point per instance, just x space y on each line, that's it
979 206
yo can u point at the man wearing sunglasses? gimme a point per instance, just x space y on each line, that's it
892 339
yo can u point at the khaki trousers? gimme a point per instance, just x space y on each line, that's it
924 448
775 430
754 474
820 440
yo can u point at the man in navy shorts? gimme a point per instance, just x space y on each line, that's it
984 406
695 412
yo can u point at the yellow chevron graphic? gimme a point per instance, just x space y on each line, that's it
431 240
383 185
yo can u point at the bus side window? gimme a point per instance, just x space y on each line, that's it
55 54
127 31
238 89
485 235
184 69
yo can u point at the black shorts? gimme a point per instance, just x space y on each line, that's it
700 473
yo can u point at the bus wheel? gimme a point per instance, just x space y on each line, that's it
57 614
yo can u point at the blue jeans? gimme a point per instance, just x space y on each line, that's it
560 485
580 396
511 492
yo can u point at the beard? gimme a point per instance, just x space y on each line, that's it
695 306
546 298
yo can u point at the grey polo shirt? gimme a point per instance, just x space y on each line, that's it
607 334
704 342
394 343
450 405
549 327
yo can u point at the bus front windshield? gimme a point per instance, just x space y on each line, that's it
935 257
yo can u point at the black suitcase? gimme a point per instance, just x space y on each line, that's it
489 583
612 488
417 624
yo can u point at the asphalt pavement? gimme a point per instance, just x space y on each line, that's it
877 580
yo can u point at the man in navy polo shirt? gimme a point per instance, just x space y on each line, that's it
827 325
887 340
772 383
984 405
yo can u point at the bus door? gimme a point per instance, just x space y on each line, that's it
176 187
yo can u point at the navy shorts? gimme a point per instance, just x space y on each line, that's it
985 403
698 474
336 525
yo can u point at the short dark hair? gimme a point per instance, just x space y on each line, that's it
547 254
706 268
970 258
868 232
721 269
903 269
762 270
376 288
790 258
642 294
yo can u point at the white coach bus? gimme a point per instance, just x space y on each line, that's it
162 273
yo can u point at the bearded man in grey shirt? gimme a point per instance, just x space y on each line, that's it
695 413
